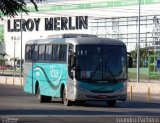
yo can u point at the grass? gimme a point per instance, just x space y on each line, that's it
142 76
10 71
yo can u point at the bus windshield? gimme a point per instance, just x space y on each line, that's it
101 63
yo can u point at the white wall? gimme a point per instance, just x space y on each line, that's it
31 35
95 12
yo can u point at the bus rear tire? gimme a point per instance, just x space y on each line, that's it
111 103
41 98
66 102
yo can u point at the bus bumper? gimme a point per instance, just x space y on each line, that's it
83 94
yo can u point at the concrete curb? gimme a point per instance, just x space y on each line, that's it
15 81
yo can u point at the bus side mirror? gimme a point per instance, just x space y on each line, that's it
130 60
130 64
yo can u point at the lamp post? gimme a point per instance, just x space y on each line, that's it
21 48
15 39
138 45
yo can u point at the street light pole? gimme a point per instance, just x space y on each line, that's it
21 48
15 39
138 45
14 56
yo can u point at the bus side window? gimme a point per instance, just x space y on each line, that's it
41 52
55 52
28 56
48 53
35 53
63 52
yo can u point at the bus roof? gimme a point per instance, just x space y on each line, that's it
58 38
94 40
46 41
77 41
70 35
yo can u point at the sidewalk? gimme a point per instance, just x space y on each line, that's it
147 91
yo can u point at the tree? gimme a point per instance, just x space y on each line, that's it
13 7
143 56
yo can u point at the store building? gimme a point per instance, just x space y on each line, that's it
104 18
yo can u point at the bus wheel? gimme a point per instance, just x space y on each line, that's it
48 98
82 102
41 98
111 103
66 102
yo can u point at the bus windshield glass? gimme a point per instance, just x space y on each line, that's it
101 63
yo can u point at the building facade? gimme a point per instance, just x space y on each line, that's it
104 18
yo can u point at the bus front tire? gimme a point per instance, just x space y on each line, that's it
48 98
111 103
42 98
66 102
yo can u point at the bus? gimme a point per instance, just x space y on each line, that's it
76 67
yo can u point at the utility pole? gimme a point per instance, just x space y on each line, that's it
21 48
138 45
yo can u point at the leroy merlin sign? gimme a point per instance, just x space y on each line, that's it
1 33
103 4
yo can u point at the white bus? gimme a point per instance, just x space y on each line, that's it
76 67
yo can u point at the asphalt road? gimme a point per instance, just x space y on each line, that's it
17 106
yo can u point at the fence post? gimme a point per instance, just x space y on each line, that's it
13 81
6 81
131 92
149 95
21 83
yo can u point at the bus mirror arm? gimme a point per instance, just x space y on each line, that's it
130 60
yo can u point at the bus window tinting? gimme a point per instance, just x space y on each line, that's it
41 52
63 53
48 54
55 52
108 63
35 52
28 55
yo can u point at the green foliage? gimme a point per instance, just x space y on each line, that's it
143 56
13 7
